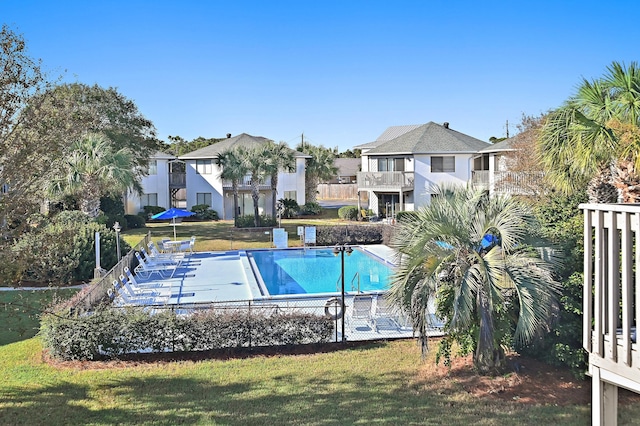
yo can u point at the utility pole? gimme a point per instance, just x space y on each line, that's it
302 142
507 126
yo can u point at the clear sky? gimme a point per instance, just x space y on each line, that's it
340 72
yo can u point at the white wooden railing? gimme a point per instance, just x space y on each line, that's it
611 303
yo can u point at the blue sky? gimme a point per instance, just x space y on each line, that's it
340 72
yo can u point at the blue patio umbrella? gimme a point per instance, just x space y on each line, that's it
172 214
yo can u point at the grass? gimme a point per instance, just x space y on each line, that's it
20 312
221 235
379 383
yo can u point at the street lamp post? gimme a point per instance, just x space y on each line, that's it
341 249
117 228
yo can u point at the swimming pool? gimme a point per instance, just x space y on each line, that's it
314 271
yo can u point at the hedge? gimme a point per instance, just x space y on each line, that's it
348 212
350 234
112 332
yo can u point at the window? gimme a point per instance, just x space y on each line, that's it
443 164
391 164
149 200
203 167
153 167
203 198
290 195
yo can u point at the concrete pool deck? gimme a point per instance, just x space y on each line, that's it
227 278
224 277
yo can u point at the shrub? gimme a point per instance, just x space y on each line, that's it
111 332
348 212
203 212
290 208
311 209
405 216
109 221
134 221
151 210
62 249
350 234
248 221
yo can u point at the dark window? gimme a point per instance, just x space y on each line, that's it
443 164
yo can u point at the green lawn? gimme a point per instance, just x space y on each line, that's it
382 383
221 235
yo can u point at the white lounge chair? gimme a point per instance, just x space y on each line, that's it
142 285
161 259
140 292
360 313
384 317
125 299
145 269
155 253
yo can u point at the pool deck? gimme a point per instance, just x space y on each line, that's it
219 277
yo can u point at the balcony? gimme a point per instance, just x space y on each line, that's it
611 303
245 184
385 181
521 183
177 180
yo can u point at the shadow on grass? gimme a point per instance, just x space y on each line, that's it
20 312
273 398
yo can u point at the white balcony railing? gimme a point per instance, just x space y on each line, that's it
524 183
611 302
389 181
245 183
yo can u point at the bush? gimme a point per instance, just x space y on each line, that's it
61 249
111 332
203 212
134 221
151 210
405 216
290 208
348 212
109 221
350 234
248 221
311 209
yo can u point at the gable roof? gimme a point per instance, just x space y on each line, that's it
347 166
241 140
430 138
391 132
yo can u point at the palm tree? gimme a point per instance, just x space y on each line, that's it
581 142
253 160
278 157
92 169
233 169
319 167
468 248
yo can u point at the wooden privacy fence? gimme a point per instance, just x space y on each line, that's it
340 191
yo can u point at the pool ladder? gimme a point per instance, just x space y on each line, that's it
356 276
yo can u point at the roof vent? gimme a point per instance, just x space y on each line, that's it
228 135
446 124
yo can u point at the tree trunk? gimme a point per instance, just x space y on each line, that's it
311 189
601 189
234 187
274 193
255 195
627 181
488 357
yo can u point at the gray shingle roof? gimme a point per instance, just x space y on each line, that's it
430 138
391 132
243 140
505 145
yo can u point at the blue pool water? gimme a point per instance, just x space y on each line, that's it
304 271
